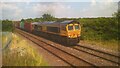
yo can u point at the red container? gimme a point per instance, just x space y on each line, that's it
28 27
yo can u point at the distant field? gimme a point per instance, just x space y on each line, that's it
20 53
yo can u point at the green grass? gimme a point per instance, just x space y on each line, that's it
111 44
21 53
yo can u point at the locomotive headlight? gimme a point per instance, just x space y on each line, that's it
78 34
69 36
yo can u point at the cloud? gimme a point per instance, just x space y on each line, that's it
17 0
18 10
0 11
93 2
106 0
56 9
57 0
10 10
102 9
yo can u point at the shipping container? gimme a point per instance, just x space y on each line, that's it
28 27
22 25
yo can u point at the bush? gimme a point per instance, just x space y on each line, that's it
7 25
99 28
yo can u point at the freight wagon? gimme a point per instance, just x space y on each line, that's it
22 24
28 27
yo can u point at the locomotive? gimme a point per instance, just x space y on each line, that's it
67 32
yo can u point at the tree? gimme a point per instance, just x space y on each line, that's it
22 20
7 25
48 17
29 20
117 17
37 20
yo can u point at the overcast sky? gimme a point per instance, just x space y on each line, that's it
18 9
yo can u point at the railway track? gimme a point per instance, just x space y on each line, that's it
53 49
107 56
63 55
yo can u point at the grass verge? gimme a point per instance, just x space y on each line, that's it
20 53
111 44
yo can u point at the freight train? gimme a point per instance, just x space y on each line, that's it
67 32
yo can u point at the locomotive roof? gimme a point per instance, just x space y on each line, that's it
35 22
67 21
54 22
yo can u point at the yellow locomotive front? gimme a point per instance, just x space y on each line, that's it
73 32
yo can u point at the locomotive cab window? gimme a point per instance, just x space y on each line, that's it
76 27
70 27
